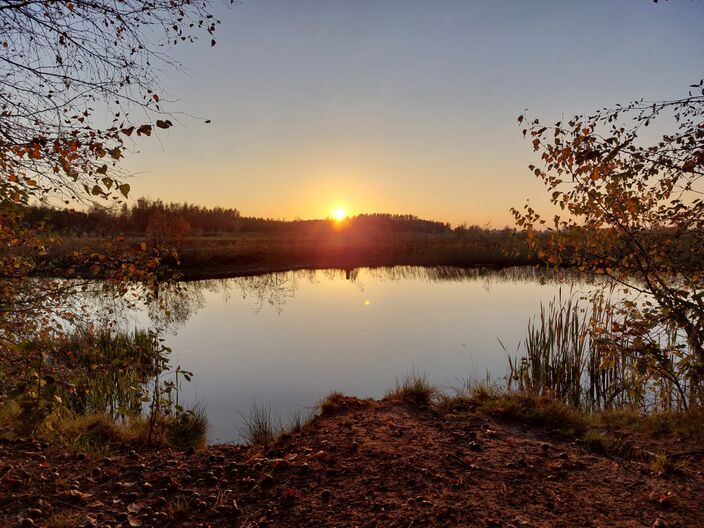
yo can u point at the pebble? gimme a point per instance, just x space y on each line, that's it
267 481
34 513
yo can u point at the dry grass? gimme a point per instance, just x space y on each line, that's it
543 412
100 434
64 519
415 389
596 441
655 424
331 402
187 429
297 423
261 427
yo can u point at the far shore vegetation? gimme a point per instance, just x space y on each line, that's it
200 242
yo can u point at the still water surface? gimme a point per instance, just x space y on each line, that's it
287 339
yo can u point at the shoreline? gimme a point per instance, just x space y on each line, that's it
392 462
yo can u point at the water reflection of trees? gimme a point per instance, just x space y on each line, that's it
178 302
273 289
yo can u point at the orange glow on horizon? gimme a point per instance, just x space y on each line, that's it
339 214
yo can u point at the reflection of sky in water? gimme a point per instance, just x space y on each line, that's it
288 339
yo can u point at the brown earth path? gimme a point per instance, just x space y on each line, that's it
362 463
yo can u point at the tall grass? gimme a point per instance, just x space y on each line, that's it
587 354
98 373
116 366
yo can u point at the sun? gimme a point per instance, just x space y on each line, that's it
339 214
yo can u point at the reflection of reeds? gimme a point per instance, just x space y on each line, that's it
580 354
109 369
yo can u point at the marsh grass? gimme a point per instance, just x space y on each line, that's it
97 369
353 248
88 391
101 434
578 352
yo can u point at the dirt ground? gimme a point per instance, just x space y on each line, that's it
367 464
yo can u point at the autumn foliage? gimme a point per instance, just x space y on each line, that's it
632 209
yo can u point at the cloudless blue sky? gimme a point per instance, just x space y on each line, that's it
404 106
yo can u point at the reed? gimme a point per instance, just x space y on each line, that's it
94 383
588 354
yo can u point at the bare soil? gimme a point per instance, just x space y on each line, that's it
367 464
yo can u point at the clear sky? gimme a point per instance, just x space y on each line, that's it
401 106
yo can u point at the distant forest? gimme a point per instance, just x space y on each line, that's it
154 217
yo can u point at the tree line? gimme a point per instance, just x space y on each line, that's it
147 217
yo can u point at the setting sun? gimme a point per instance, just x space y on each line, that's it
339 214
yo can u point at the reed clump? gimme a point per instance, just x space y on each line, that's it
590 356
90 390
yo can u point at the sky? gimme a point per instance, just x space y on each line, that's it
400 106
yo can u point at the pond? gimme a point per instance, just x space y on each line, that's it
285 340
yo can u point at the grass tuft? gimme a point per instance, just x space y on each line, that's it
415 389
457 404
665 466
296 424
259 428
332 402
187 429
596 442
